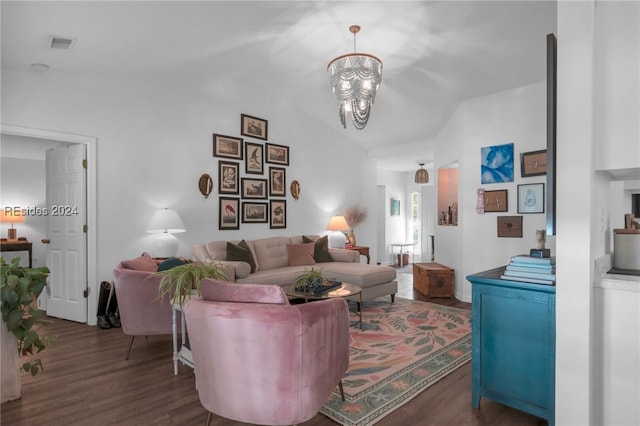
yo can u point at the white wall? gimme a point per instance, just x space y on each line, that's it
154 141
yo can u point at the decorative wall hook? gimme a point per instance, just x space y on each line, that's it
295 189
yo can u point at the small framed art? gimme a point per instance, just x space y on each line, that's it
253 126
227 147
531 198
254 212
277 154
277 182
395 207
253 158
510 226
533 163
496 201
277 214
228 177
229 213
254 188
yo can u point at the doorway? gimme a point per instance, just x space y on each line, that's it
91 211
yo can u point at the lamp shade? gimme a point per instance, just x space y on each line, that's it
166 221
337 223
11 216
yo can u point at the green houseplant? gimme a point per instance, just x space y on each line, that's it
181 281
308 281
19 288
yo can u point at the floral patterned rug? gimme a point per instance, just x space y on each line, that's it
402 349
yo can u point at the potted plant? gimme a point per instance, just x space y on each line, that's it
354 216
19 288
181 281
308 282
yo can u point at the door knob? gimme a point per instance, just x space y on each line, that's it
45 241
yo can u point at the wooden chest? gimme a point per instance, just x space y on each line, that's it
433 279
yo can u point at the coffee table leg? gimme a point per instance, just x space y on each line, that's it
360 310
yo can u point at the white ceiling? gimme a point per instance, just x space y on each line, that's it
435 54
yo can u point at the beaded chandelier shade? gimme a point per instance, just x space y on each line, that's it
422 176
355 79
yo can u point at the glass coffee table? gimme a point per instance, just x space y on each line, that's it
345 290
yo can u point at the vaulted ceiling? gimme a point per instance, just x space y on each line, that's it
435 54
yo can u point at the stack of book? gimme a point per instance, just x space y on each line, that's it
531 269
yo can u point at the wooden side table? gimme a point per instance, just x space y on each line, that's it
364 251
20 245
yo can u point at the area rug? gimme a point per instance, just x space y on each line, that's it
402 349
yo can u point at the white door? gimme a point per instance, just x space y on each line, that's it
66 219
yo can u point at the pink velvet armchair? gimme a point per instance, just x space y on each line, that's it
141 312
259 359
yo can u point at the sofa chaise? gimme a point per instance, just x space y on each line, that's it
280 260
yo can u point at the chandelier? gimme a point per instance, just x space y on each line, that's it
355 78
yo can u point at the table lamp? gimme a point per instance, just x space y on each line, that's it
165 222
11 216
337 238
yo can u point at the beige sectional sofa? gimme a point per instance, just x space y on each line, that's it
273 265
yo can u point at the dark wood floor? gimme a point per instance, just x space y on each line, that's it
87 382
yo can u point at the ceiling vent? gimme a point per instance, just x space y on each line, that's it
57 42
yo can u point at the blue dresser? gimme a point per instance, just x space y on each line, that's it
514 343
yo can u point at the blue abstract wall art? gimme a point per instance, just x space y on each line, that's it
497 163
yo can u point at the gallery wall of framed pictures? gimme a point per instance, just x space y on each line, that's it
248 192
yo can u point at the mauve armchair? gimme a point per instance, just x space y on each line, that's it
141 312
260 360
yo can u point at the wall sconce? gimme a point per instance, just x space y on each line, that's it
9 215
165 222
337 238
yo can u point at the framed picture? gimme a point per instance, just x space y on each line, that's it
531 198
254 188
496 201
278 214
228 177
253 126
277 154
229 213
227 147
533 163
254 158
510 226
277 182
254 212
496 163
395 207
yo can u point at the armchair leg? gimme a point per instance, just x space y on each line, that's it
129 348
393 297
208 419
341 390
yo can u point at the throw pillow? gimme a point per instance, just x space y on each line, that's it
171 262
301 254
241 252
142 263
321 249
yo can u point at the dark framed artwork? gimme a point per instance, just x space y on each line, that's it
254 158
254 188
229 213
496 201
277 214
277 154
254 212
277 182
531 198
496 163
533 163
510 226
227 147
228 179
253 126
